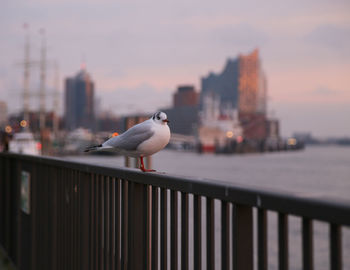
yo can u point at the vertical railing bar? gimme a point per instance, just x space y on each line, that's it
55 217
83 229
124 248
242 237
97 222
102 215
163 229
131 227
307 227
174 230
197 231
282 241
66 220
3 180
71 220
106 222
79 266
210 234
335 247
92 221
148 226
225 235
65 225
118 223
58 218
112 203
63 212
52 213
262 239
184 231
76 213
155 228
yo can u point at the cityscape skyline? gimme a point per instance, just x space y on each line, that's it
304 48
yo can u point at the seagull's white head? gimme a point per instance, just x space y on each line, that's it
160 118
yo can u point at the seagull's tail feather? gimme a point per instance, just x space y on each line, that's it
93 148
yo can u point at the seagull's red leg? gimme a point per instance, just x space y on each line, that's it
142 167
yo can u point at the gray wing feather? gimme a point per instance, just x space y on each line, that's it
131 138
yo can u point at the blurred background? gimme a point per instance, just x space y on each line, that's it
257 92
138 54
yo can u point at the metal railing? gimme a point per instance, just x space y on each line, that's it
56 214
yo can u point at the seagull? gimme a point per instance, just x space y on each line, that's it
139 141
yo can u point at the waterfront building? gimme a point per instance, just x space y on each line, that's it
107 121
79 101
34 120
185 96
224 84
219 125
183 115
242 85
3 113
251 85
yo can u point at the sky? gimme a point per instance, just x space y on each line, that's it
138 52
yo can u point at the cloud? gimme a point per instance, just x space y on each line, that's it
143 98
242 35
324 91
331 36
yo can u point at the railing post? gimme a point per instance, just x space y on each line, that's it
282 241
173 230
197 231
242 237
308 257
210 234
335 247
137 226
84 189
163 229
225 235
262 239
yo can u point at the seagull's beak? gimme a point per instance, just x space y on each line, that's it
166 121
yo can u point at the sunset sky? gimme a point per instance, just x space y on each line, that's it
138 52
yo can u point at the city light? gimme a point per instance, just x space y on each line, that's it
229 134
23 123
39 146
292 141
8 129
239 139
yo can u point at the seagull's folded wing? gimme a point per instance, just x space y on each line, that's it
132 138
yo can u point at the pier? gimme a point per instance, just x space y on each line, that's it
57 214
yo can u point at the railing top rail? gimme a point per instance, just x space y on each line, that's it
322 208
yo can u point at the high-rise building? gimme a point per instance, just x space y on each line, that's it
241 85
225 84
79 101
251 85
185 96
183 115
